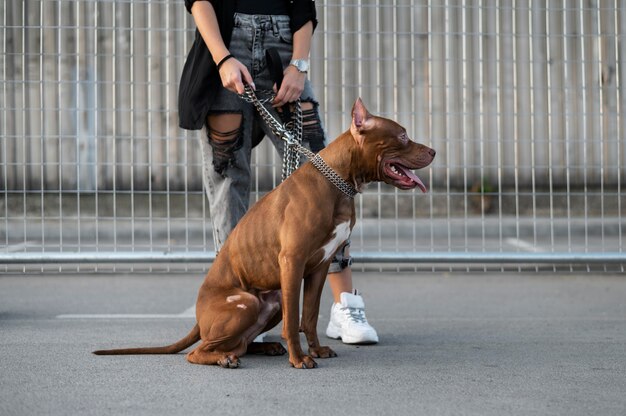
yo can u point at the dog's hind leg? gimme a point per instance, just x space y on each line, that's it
201 355
266 348
269 314
225 318
230 321
269 317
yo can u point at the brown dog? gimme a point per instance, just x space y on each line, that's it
287 238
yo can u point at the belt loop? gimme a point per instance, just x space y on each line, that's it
274 25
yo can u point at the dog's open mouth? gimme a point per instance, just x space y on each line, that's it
402 176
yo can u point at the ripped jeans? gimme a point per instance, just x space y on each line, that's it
226 152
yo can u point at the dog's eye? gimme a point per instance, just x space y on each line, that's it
404 138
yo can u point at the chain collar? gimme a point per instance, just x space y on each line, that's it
328 172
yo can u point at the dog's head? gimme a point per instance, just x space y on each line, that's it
389 154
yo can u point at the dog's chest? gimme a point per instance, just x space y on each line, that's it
338 237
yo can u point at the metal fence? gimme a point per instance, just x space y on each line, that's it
523 101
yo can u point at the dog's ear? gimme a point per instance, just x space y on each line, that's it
360 118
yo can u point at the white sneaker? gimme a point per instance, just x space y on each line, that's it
348 321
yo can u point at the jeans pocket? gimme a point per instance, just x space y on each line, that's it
285 35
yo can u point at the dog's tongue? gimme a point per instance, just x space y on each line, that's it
408 172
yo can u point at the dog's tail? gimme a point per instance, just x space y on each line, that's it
191 338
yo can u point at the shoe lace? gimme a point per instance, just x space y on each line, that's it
356 314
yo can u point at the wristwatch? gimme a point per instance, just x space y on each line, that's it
302 65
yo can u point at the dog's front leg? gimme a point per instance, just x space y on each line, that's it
290 281
313 285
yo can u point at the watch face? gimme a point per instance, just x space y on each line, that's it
301 64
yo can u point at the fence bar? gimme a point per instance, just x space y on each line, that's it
361 257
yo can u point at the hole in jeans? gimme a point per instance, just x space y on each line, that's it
312 131
225 134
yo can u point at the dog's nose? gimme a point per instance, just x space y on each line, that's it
432 152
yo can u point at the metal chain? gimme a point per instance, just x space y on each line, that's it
328 172
333 177
292 136
293 142
291 159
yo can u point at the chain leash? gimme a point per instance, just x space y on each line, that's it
293 141
292 136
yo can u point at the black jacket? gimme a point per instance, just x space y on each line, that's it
200 77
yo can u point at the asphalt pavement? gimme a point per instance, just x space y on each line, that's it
451 344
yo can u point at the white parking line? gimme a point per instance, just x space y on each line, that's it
521 244
190 312
16 247
187 313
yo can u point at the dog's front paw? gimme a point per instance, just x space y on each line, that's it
266 348
322 352
275 348
303 362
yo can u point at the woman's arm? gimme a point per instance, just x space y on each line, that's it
232 72
293 81
302 42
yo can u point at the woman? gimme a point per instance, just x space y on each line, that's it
228 52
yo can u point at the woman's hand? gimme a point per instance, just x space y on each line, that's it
233 74
291 87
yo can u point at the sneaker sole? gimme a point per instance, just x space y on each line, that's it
332 331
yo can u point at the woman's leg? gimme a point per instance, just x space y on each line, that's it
340 282
226 171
